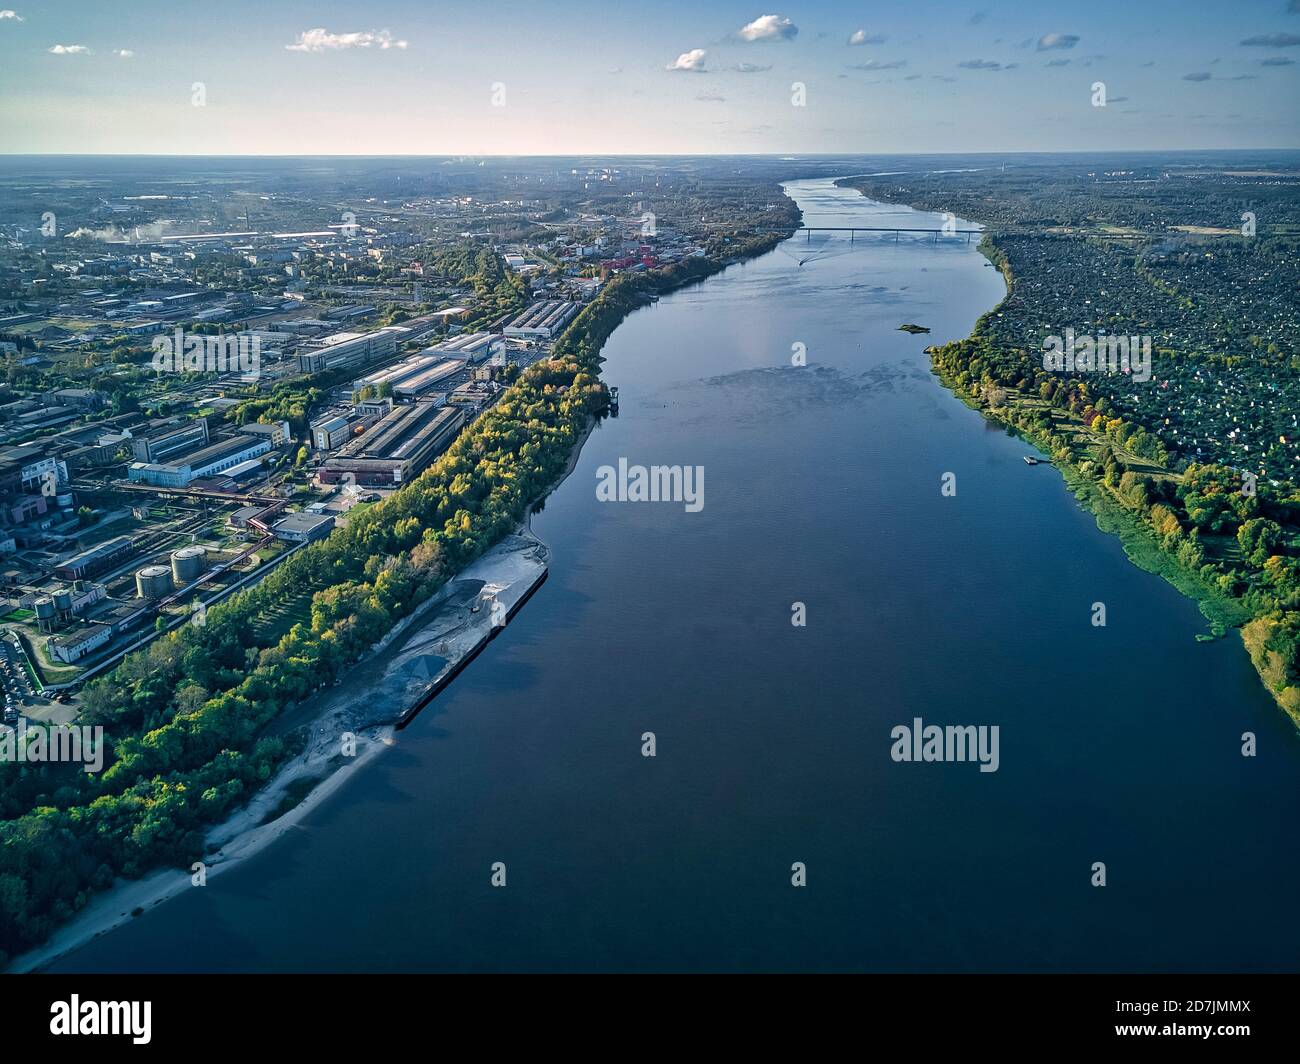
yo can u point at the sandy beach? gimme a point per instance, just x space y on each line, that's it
349 724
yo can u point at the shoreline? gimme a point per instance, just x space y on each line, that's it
1139 543
127 899
1140 546
448 629
509 571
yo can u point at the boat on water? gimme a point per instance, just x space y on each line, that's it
1031 460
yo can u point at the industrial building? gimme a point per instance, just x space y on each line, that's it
303 527
244 469
375 408
32 469
31 484
474 394
398 448
109 620
473 347
355 312
330 433
241 517
396 372
543 320
63 605
76 645
413 377
99 559
341 350
161 440
278 432
428 378
207 461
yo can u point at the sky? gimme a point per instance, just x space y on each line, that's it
444 77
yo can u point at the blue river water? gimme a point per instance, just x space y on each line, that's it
1119 744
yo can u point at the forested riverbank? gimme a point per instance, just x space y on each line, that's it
186 718
1221 539
1146 454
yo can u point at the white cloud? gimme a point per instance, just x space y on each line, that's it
9 15
692 61
1057 40
879 64
1272 40
124 53
321 40
69 49
863 37
769 28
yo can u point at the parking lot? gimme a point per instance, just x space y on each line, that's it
21 697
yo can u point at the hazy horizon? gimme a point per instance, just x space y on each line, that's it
769 155
401 79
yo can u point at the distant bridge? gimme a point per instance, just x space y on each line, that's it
968 233
853 230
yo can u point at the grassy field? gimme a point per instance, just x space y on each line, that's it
276 622
50 671
73 325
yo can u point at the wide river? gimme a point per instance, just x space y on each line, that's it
1118 744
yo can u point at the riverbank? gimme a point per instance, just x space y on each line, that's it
1157 535
418 658
350 724
1142 547
403 670
1014 409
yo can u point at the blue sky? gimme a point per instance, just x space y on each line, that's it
544 77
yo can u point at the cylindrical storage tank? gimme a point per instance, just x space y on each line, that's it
188 564
44 609
63 601
153 582
64 500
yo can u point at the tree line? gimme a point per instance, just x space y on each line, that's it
1239 535
186 717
